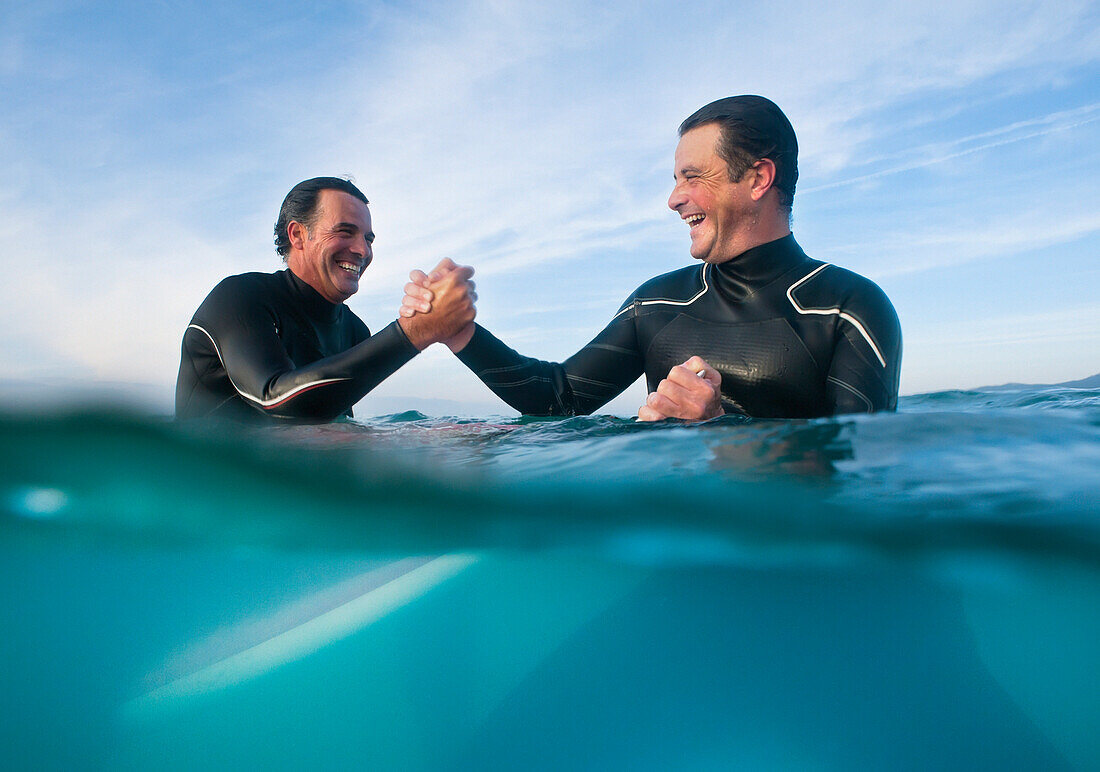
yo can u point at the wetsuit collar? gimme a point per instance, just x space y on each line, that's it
312 301
758 267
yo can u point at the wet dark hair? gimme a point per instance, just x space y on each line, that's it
752 128
300 204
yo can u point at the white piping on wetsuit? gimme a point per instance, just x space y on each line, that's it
854 390
262 402
699 294
832 311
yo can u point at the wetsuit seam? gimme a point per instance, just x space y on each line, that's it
638 302
615 349
589 381
657 335
835 311
225 401
586 395
195 372
409 345
511 368
267 404
524 382
792 271
854 390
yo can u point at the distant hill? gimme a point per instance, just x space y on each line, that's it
1092 382
371 405
51 392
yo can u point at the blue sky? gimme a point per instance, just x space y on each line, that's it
949 151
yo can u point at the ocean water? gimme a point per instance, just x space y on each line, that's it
918 590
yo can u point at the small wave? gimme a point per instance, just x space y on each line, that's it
1045 398
888 483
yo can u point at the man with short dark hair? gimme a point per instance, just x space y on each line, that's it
283 345
758 328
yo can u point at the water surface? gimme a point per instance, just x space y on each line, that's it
906 590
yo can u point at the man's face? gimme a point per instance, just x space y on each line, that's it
337 249
720 213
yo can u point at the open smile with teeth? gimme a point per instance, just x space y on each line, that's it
694 219
351 267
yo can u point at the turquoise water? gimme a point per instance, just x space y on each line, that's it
916 590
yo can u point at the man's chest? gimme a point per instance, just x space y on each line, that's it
307 341
771 364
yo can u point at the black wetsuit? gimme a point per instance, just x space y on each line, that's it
268 344
792 337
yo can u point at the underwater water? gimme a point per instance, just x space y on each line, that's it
912 590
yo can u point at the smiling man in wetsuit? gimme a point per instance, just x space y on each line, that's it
757 328
283 345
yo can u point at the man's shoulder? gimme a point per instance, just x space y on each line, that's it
824 285
252 281
829 290
246 287
678 285
242 293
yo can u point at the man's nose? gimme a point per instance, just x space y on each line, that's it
677 198
362 249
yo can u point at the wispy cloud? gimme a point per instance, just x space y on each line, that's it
936 247
937 153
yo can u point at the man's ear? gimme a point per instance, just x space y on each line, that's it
763 179
296 233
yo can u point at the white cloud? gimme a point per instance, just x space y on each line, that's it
109 290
